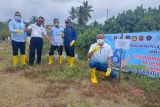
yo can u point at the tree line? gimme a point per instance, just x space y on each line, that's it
138 20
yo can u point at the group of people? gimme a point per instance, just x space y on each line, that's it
99 54
38 32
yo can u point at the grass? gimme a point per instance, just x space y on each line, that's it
61 86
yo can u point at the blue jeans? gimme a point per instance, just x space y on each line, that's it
69 50
36 43
102 67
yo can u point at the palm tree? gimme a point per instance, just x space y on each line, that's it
73 13
87 9
33 19
80 15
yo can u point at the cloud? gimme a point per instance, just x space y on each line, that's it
59 8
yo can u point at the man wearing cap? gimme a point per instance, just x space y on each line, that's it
18 37
56 41
36 42
70 37
99 55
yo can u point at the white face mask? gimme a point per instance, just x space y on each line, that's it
100 41
56 24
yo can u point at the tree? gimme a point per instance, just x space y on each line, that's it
73 13
95 23
33 19
82 13
87 9
137 20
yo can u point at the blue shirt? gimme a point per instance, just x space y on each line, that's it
56 34
18 37
69 35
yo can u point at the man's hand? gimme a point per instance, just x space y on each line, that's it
108 72
26 30
62 35
72 43
27 41
95 49
18 31
49 40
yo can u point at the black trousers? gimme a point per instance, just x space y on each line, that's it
36 44
53 48
69 50
16 46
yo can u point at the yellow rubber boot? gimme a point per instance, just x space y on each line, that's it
50 59
71 61
93 75
15 60
60 59
68 60
23 59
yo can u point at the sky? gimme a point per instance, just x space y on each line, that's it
51 9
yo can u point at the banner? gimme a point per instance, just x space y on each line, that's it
143 55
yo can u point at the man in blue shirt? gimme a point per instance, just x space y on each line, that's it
70 37
56 41
18 37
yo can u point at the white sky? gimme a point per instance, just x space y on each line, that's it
50 9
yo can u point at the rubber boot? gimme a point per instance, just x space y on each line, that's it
71 61
68 60
50 59
93 75
15 60
23 59
60 59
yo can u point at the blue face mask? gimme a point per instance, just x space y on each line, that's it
17 18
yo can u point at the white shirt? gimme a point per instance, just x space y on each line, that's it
102 54
37 31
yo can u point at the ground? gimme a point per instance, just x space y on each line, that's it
61 86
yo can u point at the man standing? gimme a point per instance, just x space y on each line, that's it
56 42
36 42
70 37
18 37
99 56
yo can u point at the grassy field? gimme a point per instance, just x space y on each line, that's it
60 86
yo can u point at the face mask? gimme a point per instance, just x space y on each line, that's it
100 41
17 18
56 24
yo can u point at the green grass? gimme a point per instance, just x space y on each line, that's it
71 86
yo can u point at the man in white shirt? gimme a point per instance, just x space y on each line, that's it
99 55
36 42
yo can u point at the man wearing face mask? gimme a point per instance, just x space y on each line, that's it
36 42
70 37
99 56
56 41
18 37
